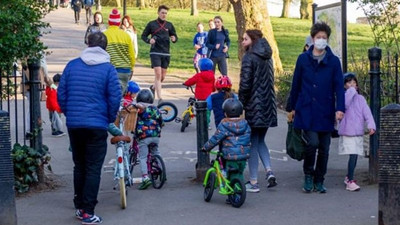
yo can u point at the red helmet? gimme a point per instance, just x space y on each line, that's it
223 82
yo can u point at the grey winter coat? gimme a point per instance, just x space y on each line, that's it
256 88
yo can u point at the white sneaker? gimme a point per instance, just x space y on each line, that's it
346 180
352 186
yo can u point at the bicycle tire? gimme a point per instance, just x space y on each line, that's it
132 162
157 173
209 188
185 121
168 111
122 192
239 193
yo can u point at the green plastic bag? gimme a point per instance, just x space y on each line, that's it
295 145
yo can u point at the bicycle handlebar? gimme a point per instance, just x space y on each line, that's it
191 88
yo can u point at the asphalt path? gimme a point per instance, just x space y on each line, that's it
180 201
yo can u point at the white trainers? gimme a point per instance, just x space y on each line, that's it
346 180
352 186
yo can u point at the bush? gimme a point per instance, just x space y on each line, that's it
27 161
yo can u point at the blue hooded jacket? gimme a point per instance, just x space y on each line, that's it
89 92
234 134
317 91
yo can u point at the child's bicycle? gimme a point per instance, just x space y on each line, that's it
168 111
188 114
155 164
235 189
122 173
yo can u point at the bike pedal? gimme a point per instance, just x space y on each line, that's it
108 169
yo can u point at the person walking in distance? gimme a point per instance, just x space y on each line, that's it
351 128
97 26
89 94
199 43
129 28
316 100
161 32
88 8
120 48
256 92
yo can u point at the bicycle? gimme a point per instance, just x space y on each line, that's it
155 164
121 168
188 114
235 188
168 111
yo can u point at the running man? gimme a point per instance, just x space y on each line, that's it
161 32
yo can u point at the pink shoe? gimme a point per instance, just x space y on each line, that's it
346 180
352 186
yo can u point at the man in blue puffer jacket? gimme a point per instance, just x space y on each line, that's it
89 94
234 134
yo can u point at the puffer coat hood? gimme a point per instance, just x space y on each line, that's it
256 88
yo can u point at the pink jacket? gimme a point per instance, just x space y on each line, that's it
357 113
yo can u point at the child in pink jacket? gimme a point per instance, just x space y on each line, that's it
351 127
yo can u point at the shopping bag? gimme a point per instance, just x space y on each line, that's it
295 143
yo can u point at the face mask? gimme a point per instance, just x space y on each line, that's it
320 43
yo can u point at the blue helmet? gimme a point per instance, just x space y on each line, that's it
205 64
133 87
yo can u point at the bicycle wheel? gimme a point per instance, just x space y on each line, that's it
122 192
209 188
168 111
239 193
133 161
185 121
157 173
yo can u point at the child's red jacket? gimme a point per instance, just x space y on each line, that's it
204 84
51 101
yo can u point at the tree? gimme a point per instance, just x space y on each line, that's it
20 26
194 11
306 9
285 8
253 14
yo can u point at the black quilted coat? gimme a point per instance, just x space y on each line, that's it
256 88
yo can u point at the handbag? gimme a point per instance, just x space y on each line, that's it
295 143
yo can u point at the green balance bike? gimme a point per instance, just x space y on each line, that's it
214 179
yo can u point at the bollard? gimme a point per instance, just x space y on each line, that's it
203 158
8 214
389 170
374 56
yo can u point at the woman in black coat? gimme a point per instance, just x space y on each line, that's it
256 92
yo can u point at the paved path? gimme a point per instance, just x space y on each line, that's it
180 200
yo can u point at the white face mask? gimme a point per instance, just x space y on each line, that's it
320 43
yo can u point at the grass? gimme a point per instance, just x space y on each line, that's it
289 33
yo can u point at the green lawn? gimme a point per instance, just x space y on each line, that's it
289 33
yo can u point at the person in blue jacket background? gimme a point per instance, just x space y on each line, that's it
317 100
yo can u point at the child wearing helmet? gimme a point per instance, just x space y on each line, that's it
215 101
148 131
233 133
131 91
204 80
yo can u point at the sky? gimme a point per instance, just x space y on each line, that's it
275 9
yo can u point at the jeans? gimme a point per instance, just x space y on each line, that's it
351 166
88 10
55 119
258 149
123 80
89 148
222 65
320 141
144 151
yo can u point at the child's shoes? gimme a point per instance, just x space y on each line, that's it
352 186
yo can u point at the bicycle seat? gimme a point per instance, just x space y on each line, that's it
116 139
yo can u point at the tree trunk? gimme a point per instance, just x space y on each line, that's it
306 9
229 8
285 9
118 3
253 14
194 11
142 4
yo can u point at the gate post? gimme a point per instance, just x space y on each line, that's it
203 158
8 214
374 56
389 170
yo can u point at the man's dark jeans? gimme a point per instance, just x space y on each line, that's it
320 141
89 148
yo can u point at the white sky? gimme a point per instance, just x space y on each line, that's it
275 9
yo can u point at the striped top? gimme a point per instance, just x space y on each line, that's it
120 48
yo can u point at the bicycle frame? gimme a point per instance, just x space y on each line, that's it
189 110
221 181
